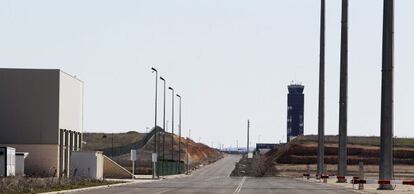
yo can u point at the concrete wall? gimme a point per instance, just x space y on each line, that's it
87 165
29 104
70 119
70 103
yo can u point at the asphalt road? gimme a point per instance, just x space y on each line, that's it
215 179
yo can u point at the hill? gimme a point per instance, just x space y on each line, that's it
303 150
199 154
104 141
292 158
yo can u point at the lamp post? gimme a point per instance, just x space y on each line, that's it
321 108
188 150
163 127
179 137
155 123
248 137
172 123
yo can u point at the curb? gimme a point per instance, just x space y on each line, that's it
96 187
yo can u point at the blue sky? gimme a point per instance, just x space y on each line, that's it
231 60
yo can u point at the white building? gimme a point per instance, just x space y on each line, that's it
7 161
41 113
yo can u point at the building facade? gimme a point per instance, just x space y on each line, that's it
295 111
42 114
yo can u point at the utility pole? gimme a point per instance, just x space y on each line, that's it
248 136
321 114
386 168
343 96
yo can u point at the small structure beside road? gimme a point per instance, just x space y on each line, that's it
87 165
20 160
7 161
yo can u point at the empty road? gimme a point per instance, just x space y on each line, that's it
215 179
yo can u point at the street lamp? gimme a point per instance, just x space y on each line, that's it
188 150
172 123
179 137
155 122
163 127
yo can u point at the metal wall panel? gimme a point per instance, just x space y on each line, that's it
29 104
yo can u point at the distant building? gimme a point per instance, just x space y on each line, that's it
295 110
41 113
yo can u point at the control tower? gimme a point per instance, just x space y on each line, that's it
295 110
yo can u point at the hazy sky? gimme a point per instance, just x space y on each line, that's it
231 60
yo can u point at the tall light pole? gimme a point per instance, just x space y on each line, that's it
248 137
343 96
163 126
321 114
386 168
179 137
188 150
155 123
172 123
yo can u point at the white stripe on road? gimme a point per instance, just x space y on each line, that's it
238 189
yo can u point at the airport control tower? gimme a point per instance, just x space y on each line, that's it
295 111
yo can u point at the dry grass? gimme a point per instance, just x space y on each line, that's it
14 185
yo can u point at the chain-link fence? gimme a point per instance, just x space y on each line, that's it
169 167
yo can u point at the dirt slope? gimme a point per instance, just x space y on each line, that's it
102 141
144 143
304 151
